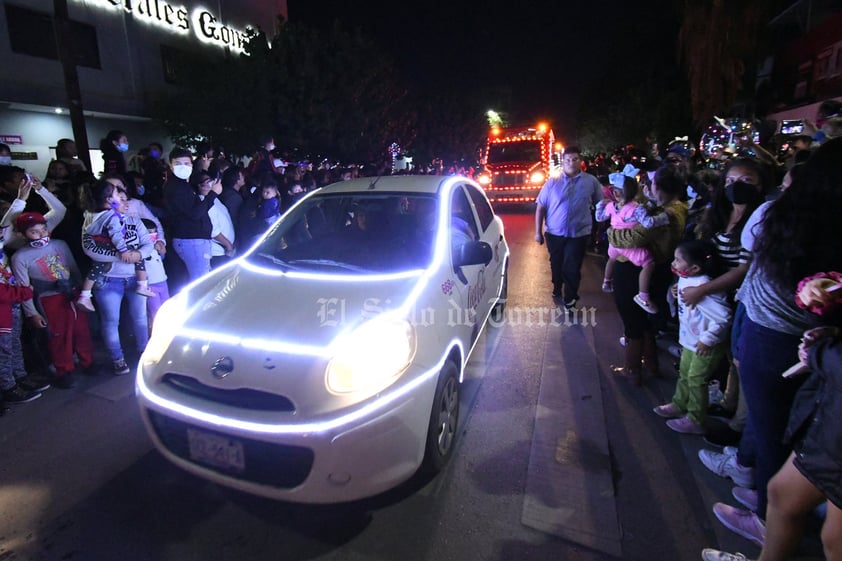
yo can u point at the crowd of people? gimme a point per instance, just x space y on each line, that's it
79 250
742 259
743 262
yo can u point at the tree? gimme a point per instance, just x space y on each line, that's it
718 42
322 93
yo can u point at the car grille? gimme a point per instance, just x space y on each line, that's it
265 463
241 397
508 179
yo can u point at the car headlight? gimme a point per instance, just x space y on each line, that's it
484 179
537 177
169 319
372 356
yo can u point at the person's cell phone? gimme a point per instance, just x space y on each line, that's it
792 126
28 177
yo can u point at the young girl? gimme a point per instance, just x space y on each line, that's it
703 332
626 214
107 229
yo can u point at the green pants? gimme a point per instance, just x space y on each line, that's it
691 391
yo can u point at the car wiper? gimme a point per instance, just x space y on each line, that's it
329 263
274 260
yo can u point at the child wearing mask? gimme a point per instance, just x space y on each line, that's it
15 386
156 274
703 332
48 266
107 228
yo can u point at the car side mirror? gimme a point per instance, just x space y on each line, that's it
472 253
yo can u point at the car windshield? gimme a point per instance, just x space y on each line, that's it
524 151
353 232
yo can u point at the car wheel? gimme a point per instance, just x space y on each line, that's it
444 419
500 307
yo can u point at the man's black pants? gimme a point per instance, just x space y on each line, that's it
566 255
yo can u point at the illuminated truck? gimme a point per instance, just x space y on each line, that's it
518 161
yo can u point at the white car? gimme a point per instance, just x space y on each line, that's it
325 365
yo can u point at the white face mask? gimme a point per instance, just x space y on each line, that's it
5 160
182 171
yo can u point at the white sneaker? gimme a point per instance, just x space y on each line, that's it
143 291
85 303
647 305
724 464
716 555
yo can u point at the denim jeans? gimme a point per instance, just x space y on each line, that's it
196 254
763 354
109 293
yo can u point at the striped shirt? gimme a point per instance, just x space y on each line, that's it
730 250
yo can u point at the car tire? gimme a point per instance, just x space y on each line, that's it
444 420
499 309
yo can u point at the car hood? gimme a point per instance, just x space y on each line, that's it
296 308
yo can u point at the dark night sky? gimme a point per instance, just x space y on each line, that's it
541 55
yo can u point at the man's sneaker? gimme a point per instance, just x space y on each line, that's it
725 464
645 304
742 522
716 555
32 384
608 285
19 395
747 497
668 411
65 381
145 291
121 368
85 303
685 425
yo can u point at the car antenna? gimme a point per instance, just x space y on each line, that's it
374 181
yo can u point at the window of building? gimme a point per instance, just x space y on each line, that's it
31 33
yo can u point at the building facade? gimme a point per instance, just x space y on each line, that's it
123 52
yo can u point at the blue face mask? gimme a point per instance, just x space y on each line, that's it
123 146
141 189
5 160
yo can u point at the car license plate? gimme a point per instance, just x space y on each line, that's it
216 450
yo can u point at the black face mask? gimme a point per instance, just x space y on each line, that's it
741 193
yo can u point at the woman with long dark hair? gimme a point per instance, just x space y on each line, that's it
739 192
794 237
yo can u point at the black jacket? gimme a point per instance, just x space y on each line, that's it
814 428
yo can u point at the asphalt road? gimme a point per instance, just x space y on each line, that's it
79 479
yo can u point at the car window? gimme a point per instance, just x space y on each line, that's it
486 215
462 223
357 232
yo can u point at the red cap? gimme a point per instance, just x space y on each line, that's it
26 220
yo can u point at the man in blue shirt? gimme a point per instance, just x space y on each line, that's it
563 220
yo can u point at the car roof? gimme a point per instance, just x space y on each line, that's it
390 183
